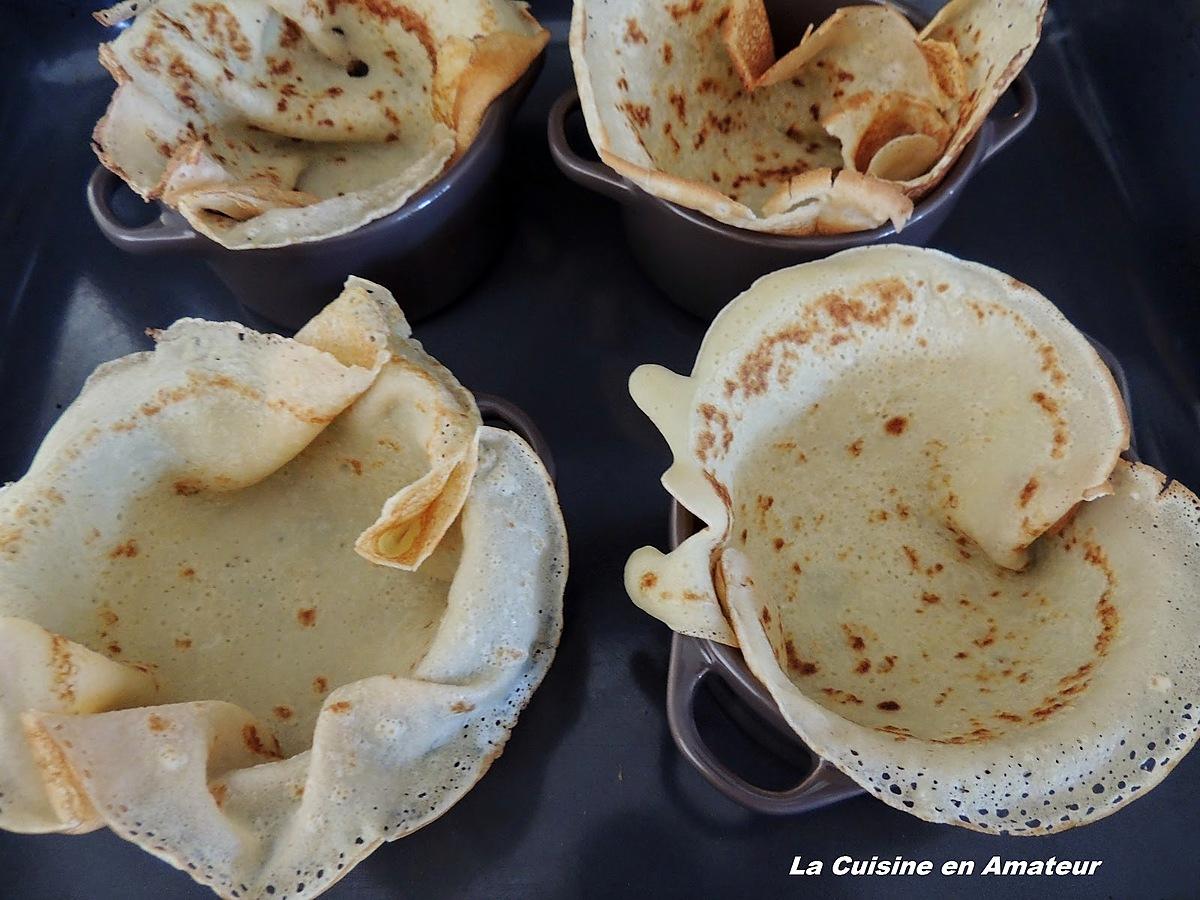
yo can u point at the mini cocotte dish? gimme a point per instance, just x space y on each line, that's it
266 603
922 539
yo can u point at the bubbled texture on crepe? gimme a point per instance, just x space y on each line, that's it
269 122
890 449
299 704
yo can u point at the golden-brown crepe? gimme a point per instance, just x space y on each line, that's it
270 122
920 535
266 603
840 134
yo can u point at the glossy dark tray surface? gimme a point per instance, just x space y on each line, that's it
1095 205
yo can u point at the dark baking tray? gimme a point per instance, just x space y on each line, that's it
1095 205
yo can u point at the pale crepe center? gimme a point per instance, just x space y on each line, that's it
257 596
876 606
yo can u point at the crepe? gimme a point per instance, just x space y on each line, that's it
920 535
266 603
841 134
272 122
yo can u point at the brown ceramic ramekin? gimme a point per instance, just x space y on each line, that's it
506 414
702 264
430 251
694 660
